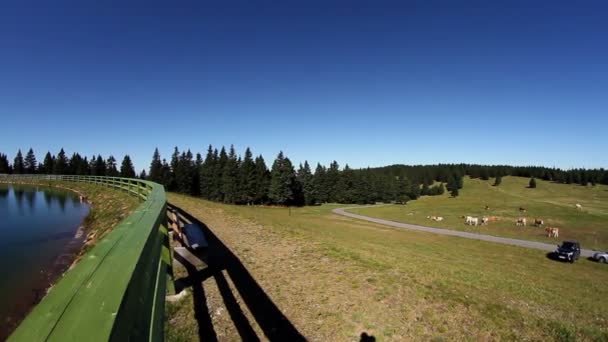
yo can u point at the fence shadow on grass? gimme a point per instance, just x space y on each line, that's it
220 258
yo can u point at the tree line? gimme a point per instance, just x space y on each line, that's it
60 164
225 176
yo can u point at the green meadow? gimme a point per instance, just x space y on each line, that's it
335 277
551 202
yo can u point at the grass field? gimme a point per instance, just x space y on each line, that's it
554 203
335 278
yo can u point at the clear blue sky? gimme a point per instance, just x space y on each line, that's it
363 82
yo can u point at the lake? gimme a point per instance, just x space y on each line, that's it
38 243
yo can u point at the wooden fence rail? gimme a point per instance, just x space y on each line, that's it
117 290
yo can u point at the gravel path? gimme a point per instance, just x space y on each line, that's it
507 241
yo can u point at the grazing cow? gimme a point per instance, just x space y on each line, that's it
472 221
552 232
538 222
578 207
487 207
485 220
521 221
522 209
435 218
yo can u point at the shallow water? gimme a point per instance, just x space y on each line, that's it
38 226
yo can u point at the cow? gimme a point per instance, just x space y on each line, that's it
435 218
552 232
538 222
487 207
521 221
485 220
522 209
472 221
578 207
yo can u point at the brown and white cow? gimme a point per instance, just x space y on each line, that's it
538 222
552 232
521 221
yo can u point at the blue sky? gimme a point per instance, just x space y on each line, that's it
367 83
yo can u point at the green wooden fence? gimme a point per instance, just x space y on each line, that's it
117 290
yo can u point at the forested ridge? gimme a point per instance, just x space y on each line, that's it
225 176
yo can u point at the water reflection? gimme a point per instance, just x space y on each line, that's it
37 225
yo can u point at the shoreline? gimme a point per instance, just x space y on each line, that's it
52 271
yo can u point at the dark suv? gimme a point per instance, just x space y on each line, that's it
569 250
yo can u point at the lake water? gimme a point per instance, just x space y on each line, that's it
38 227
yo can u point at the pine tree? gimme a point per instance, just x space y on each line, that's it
18 166
196 176
247 179
218 177
156 168
319 187
282 181
532 183
166 176
332 178
184 173
143 175
262 181
498 180
305 178
172 186
4 164
30 163
230 177
111 170
126 168
100 166
60 165
207 173
425 190
47 165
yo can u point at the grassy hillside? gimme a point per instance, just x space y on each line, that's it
336 278
554 203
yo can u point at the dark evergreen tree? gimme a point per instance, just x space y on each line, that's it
498 180
532 183
166 176
172 186
196 176
100 166
30 164
282 181
18 165
126 167
332 179
156 168
110 167
47 166
60 166
230 178
306 178
319 184
262 176
207 174
143 175
4 164
247 179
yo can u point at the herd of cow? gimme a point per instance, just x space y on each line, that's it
521 221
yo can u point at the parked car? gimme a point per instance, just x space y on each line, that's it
600 257
569 251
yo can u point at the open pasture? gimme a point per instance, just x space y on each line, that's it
554 203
